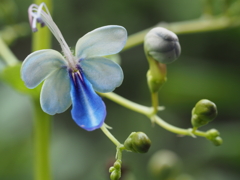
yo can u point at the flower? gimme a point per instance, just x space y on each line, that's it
73 79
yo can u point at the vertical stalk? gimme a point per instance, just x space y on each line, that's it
42 38
154 96
42 127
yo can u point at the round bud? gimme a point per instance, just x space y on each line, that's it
137 142
203 112
111 169
117 165
164 164
217 141
212 133
162 45
115 175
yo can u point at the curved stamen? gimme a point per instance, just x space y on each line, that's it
41 14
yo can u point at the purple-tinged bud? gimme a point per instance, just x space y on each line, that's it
162 45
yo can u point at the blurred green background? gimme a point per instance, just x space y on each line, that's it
207 68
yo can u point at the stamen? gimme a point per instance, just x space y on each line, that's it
40 14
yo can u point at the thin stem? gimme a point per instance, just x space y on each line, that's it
7 54
149 113
177 130
42 129
192 26
110 136
155 102
128 104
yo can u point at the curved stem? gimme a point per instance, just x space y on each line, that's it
110 136
177 130
192 26
127 103
149 112
42 128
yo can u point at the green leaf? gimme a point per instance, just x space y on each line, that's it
11 76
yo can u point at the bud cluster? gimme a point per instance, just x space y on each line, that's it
115 170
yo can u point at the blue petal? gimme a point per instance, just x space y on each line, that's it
102 41
55 95
88 109
40 64
104 74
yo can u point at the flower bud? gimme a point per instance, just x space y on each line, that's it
115 175
212 133
214 136
162 45
117 165
164 164
137 142
203 112
217 141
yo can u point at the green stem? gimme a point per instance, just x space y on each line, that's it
128 104
155 102
42 40
149 112
7 54
42 128
177 130
192 26
110 136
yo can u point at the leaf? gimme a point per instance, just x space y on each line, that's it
11 76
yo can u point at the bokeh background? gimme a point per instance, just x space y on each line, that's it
208 68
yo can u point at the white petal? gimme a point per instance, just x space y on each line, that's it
39 64
55 95
102 41
104 74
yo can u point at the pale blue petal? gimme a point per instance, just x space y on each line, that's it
88 109
102 41
39 64
55 95
104 74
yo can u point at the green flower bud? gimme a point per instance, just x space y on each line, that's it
115 175
214 136
137 142
162 45
111 169
217 141
164 164
212 133
203 113
117 165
